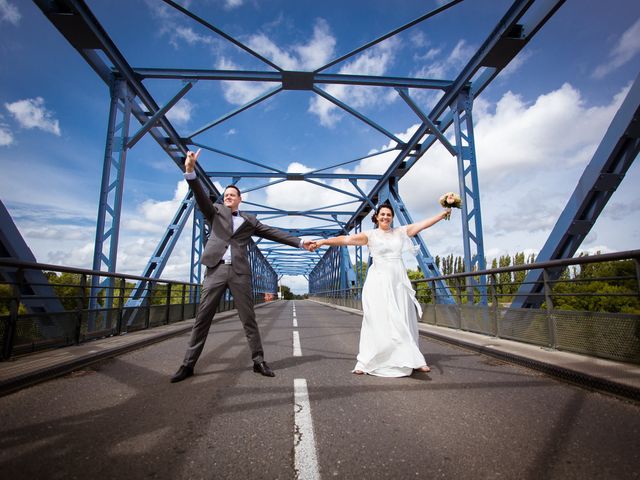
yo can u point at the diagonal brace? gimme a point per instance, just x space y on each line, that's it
432 128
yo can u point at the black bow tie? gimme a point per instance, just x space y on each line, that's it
235 214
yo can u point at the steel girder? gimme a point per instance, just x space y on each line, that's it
613 157
79 26
32 286
160 256
334 272
105 253
525 17
199 235
473 241
264 279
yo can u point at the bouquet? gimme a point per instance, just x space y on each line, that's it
450 200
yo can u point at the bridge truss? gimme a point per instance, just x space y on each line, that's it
136 114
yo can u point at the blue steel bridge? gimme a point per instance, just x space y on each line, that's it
505 369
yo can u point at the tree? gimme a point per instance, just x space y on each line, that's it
423 291
287 294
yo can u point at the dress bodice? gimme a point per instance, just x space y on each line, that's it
390 244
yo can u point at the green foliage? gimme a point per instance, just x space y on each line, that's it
361 271
595 287
287 294
423 292
602 287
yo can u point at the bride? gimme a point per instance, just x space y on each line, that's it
389 334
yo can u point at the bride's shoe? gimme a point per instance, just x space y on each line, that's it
358 372
423 369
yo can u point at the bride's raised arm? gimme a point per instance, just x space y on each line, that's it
414 228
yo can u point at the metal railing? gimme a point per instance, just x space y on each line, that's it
26 326
597 315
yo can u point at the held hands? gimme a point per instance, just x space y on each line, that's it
309 245
190 161
312 245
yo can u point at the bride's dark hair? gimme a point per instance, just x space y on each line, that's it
386 204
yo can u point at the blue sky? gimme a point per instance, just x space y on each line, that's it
537 125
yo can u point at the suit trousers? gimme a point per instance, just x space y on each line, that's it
216 281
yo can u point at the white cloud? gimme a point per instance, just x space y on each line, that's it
31 113
627 47
530 156
239 93
154 216
231 4
178 34
6 136
181 112
304 56
374 61
418 39
9 13
267 48
444 67
319 50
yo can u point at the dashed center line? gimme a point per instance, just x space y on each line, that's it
304 442
297 351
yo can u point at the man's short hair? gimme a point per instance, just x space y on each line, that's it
234 187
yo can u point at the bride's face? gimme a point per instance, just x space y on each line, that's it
385 217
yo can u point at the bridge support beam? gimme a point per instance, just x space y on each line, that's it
608 166
199 234
472 237
110 203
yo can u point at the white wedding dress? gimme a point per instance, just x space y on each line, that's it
389 335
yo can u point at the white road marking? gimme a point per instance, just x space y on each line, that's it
304 442
295 322
297 351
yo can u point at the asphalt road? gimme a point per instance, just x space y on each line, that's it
472 417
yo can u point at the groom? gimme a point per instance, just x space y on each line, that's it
225 257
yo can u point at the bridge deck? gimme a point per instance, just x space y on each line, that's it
473 416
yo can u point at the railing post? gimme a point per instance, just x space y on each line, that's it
123 286
551 323
637 264
80 308
168 311
147 316
495 305
14 307
432 284
184 290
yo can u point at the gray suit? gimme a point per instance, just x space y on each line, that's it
236 276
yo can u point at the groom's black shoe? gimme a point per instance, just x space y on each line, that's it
263 368
182 373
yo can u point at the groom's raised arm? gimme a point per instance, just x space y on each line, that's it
203 200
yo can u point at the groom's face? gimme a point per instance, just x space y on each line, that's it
232 199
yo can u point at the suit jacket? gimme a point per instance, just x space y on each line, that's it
222 236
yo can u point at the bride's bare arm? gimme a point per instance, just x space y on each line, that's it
414 228
343 240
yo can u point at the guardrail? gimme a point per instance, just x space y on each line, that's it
591 314
26 326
